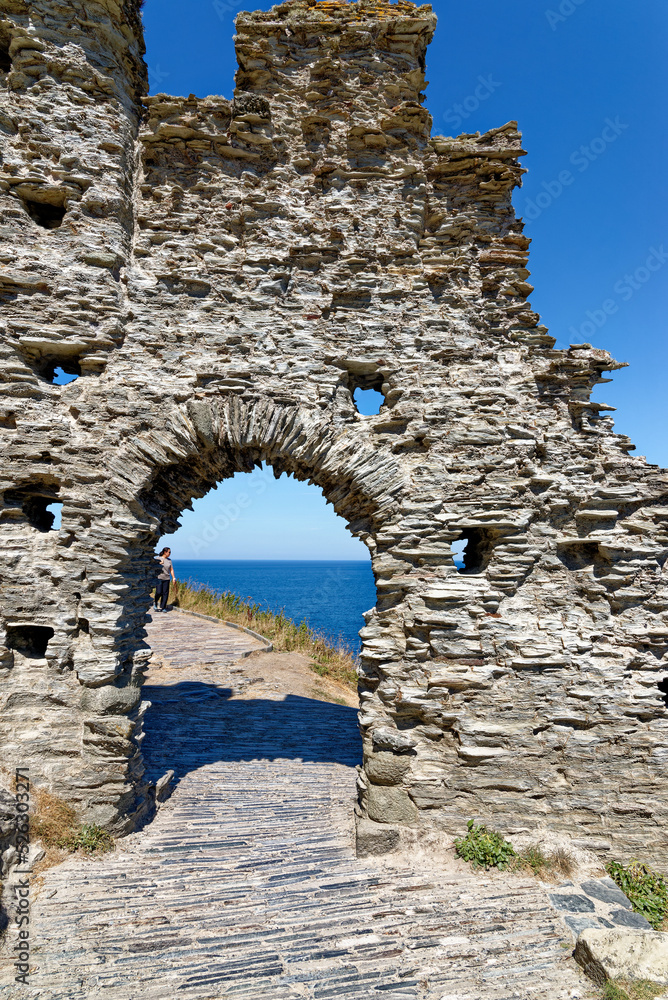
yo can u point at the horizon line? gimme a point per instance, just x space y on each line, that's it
184 558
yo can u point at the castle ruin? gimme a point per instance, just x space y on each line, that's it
222 275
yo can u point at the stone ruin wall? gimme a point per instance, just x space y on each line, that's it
222 275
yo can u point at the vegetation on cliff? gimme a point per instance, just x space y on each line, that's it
329 659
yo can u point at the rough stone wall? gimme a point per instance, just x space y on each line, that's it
222 278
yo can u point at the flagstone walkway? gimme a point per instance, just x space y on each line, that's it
246 885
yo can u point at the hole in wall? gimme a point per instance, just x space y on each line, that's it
35 507
458 548
5 59
473 550
663 688
56 369
368 401
62 377
29 640
365 384
44 214
56 510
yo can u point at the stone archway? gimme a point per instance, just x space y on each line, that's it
221 276
95 659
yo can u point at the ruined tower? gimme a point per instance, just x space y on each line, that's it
221 276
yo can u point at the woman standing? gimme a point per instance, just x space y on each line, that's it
166 572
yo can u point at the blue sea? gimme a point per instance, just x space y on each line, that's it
330 595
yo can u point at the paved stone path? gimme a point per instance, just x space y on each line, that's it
246 886
185 640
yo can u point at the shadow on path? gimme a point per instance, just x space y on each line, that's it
192 724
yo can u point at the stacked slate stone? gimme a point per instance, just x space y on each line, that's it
222 276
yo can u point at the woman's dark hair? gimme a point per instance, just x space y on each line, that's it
162 551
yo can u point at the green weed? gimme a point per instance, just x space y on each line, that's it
487 849
92 839
484 848
623 990
646 889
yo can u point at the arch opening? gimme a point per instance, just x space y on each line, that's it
278 542
288 708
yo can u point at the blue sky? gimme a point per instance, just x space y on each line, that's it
586 81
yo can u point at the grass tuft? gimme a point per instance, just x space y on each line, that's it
55 823
485 848
646 889
624 990
333 660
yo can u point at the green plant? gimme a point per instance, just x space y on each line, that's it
55 823
645 888
611 991
484 848
92 839
623 990
535 860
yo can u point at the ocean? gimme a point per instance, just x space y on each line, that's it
330 595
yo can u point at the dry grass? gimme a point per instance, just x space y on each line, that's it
55 825
52 821
556 865
331 660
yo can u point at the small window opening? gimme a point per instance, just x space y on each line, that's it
56 511
5 59
29 640
44 214
458 549
663 688
61 377
35 507
368 401
58 370
472 551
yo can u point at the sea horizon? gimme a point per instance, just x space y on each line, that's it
185 559
331 595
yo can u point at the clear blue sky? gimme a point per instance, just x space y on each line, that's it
586 80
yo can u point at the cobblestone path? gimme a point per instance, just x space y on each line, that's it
246 886
186 640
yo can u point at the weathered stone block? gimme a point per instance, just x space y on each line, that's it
623 954
374 838
385 768
390 805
